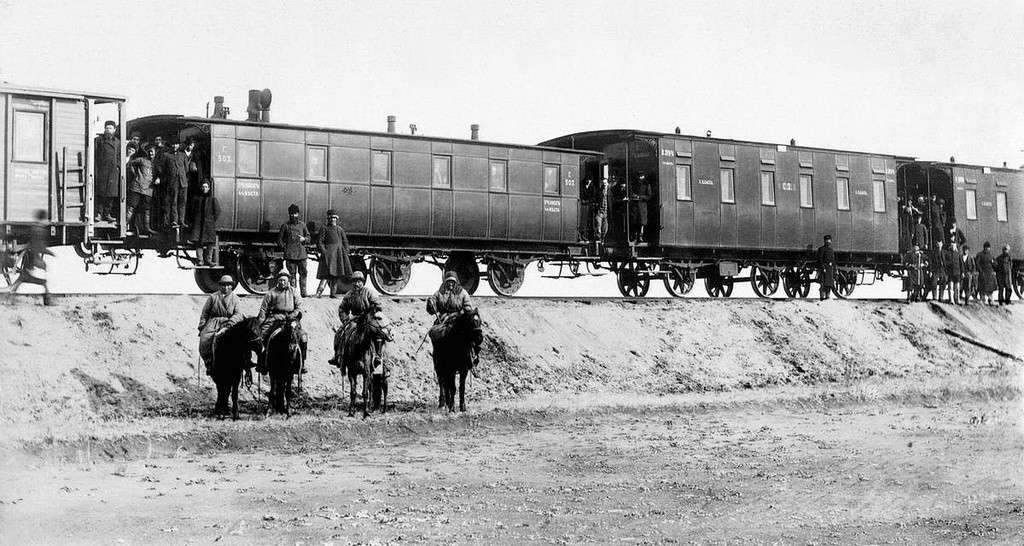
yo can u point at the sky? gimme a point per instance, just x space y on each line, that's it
929 79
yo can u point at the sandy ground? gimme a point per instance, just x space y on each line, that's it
697 421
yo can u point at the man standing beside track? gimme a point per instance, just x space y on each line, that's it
969 274
292 238
826 267
1004 276
915 263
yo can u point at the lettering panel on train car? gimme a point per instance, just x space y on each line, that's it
277 196
441 213
412 211
570 176
470 214
552 230
222 156
225 192
498 227
526 217
861 204
707 197
381 210
352 203
789 233
349 165
667 196
741 222
248 199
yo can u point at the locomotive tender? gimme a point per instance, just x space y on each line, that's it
718 206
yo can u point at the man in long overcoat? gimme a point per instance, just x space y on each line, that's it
107 173
1004 275
826 268
969 274
915 262
205 212
986 273
335 263
638 208
221 311
938 269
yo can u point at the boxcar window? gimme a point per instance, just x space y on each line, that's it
382 167
316 163
29 136
248 158
843 193
971 202
878 165
1001 206
727 152
767 156
878 187
842 162
806 159
499 179
767 188
442 172
550 179
683 189
728 192
806 191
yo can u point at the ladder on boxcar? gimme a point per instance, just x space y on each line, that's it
77 183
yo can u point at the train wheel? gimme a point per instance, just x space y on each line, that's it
713 286
634 280
1018 283
82 249
390 276
505 279
253 273
765 282
791 283
679 281
206 279
727 285
464 265
845 282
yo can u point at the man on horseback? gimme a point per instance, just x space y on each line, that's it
448 303
281 304
221 311
357 304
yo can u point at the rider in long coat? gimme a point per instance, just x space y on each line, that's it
221 311
827 267
281 303
449 300
355 305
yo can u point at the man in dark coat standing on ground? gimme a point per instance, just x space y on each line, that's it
986 273
107 155
293 237
938 267
826 267
1004 275
915 262
335 263
920 234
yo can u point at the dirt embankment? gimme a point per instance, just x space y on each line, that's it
88 364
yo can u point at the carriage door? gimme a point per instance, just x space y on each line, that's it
28 187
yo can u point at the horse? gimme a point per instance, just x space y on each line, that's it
283 359
455 352
231 357
361 353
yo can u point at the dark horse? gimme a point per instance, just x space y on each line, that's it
454 353
231 357
362 355
284 360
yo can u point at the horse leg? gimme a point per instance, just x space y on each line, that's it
440 383
351 395
462 390
287 395
367 391
271 395
234 395
383 394
449 390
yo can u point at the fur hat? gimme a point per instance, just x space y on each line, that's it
357 275
450 276
226 279
293 209
283 272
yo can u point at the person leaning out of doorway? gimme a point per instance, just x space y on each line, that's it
205 212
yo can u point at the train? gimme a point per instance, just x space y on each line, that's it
717 210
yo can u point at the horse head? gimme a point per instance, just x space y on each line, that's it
378 327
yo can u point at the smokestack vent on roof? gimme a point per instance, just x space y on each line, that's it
474 132
391 123
254 105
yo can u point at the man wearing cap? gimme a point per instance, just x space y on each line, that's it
334 263
915 262
175 169
1004 275
969 274
357 304
826 268
221 311
107 173
156 206
293 237
986 273
136 140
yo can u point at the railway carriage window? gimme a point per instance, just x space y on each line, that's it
550 179
767 156
316 163
684 191
971 202
442 172
499 180
878 165
248 158
1001 206
842 163
382 167
806 159
806 191
843 193
767 188
878 187
727 152
728 191
29 136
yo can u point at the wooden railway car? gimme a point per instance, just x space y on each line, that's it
47 168
401 198
720 206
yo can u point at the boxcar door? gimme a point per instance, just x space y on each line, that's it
28 187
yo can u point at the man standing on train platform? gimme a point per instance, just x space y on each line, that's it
156 206
937 220
586 200
920 233
1004 276
915 262
601 210
175 168
292 237
638 208
281 303
221 311
937 267
140 192
107 173
136 140
826 268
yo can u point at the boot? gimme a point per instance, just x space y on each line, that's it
130 215
145 230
